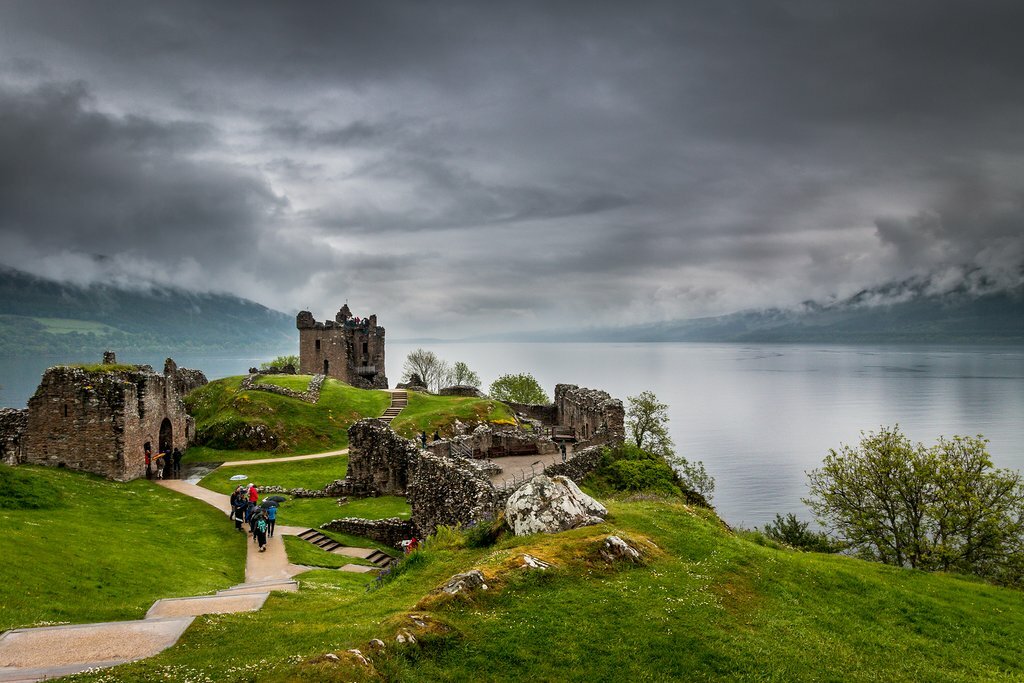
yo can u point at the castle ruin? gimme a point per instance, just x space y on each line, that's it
102 418
346 348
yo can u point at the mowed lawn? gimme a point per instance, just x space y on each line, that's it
427 413
98 550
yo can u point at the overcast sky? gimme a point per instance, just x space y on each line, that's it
463 167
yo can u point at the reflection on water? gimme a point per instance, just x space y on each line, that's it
758 416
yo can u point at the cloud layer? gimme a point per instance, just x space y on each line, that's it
468 167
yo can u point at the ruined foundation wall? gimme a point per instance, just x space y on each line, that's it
99 421
447 492
378 458
597 417
547 414
13 423
390 531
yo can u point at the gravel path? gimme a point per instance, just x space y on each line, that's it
287 458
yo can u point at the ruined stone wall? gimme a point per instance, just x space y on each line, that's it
547 414
13 423
597 417
449 492
582 463
310 395
99 421
380 459
390 531
354 353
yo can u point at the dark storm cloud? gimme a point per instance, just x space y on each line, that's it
479 163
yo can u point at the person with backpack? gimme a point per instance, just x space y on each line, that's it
260 531
271 519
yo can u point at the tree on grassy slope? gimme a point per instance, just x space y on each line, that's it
461 375
521 388
647 428
431 369
942 507
281 362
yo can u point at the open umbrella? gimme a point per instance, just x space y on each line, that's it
277 499
268 503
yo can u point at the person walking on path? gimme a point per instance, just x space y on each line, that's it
176 462
238 503
159 466
260 532
423 438
254 494
271 519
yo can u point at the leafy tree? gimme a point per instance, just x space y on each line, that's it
942 507
647 427
647 422
797 534
431 369
280 362
460 374
521 388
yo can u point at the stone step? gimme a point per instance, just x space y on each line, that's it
207 604
285 585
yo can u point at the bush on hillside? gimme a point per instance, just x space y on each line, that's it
22 491
798 534
281 362
236 434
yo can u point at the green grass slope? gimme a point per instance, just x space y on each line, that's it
300 427
78 549
427 413
221 406
706 605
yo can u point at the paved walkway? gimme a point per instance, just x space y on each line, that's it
286 458
34 654
517 468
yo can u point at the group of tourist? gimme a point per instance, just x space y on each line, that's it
165 464
261 519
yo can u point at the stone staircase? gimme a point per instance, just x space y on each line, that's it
380 560
399 400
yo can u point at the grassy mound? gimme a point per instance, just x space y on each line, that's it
107 551
426 413
221 409
704 604
232 424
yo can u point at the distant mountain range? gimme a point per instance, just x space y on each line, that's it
910 316
44 316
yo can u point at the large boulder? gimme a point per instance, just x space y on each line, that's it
549 505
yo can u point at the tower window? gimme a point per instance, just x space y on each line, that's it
366 347
317 344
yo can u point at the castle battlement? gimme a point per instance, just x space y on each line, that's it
348 348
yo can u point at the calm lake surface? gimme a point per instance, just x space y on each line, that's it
759 416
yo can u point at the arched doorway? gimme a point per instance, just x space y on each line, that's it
166 436
326 366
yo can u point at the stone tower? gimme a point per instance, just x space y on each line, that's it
346 349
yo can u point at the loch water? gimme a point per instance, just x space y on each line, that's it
758 416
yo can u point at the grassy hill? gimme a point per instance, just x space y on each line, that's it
225 414
45 316
707 604
80 549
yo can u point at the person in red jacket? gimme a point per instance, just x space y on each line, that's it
254 495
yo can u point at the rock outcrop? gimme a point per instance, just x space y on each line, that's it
549 505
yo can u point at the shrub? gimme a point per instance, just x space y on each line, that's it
797 534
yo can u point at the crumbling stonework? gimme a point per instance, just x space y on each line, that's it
101 420
461 390
597 417
13 423
582 463
449 492
378 458
390 531
344 349
486 441
547 414
185 379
